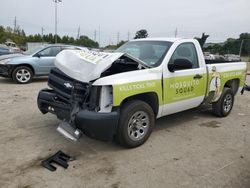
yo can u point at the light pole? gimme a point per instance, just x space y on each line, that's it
56 1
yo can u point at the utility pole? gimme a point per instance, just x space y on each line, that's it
15 25
56 1
241 45
99 35
118 37
78 33
176 32
42 32
95 35
128 35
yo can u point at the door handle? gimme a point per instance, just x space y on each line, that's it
197 76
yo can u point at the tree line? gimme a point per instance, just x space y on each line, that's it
20 38
238 46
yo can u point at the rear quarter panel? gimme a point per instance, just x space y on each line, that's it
219 74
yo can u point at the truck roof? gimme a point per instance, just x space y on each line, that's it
158 39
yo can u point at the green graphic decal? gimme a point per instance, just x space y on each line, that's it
184 87
223 77
93 57
175 88
240 74
125 90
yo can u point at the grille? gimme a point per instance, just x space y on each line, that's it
65 86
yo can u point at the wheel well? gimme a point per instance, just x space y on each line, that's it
26 65
151 98
233 84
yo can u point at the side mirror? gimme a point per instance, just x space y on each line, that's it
37 55
179 64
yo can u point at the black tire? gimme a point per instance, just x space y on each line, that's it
223 106
22 79
143 123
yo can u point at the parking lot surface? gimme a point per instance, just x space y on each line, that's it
188 149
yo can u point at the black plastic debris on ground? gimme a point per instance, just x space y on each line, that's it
247 88
59 158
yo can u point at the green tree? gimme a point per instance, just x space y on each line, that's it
141 34
232 46
114 47
20 38
202 40
120 43
85 41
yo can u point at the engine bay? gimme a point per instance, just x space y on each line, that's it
123 64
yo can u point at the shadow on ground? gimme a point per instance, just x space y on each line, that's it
35 80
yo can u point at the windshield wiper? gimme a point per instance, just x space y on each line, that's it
138 60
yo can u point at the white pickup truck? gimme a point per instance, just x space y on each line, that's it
119 95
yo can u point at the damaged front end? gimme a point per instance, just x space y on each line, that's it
82 106
78 105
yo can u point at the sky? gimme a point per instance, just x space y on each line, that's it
221 19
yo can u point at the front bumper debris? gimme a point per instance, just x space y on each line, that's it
69 131
59 158
97 125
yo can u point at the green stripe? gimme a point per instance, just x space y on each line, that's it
122 91
175 88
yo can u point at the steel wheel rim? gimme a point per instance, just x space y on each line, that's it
23 75
138 125
227 103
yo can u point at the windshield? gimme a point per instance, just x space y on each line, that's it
33 50
150 52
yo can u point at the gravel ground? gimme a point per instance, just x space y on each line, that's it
188 149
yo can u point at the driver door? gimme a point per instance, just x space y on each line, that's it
45 59
184 88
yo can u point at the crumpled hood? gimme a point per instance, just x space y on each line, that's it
83 65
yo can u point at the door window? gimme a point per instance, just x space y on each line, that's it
186 51
50 51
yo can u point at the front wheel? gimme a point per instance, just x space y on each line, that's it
22 75
224 105
135 124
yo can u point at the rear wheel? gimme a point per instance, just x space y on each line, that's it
136 124
22 75
224 105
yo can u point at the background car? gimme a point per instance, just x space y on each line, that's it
13 47
4 50
35 62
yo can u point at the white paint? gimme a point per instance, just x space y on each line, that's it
106 99
180 106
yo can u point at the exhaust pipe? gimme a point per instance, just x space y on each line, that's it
68 131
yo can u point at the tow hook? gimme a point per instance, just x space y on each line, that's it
69 131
